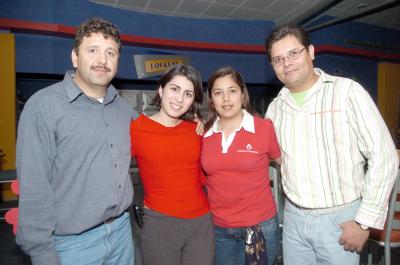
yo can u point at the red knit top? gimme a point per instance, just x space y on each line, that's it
169 165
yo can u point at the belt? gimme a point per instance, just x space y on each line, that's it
112 219
333 209
108 221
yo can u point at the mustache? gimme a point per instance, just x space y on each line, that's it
100 67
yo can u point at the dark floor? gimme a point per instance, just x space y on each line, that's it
10 254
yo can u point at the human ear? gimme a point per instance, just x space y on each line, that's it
311 51
74 58
160 91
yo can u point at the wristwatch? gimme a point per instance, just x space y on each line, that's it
363 227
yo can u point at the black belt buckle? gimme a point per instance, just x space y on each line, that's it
138 214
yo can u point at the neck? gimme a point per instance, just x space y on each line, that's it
93 92
306 85
165 120
230 124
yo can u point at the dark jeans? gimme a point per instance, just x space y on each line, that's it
230 245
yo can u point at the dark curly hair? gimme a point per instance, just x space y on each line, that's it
96 25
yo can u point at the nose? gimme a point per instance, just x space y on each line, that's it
226 96
179 97
286 61
102 58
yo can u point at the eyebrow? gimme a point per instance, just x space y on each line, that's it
97 46
217 88
92 46
181 87
286 53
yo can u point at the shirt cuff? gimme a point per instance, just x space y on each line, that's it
371 217
48 258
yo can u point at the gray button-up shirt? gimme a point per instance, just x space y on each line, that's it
73 156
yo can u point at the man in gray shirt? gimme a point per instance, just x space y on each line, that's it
73 156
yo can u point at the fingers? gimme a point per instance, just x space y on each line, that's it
351 247
200 127
353 237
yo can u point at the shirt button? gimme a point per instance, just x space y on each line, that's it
119 186
115 165
111 145
106 125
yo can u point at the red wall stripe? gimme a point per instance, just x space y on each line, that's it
24 26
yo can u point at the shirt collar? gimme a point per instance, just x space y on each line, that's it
323 78
71 88
247 124
73 91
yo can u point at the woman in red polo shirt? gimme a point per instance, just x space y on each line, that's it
177 227
237 148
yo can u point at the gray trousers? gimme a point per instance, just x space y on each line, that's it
167 240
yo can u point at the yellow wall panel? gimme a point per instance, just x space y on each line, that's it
389 95
7 107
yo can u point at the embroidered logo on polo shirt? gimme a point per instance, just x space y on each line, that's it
249 149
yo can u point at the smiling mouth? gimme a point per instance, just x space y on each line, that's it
227 107
176 107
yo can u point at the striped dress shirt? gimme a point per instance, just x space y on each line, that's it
335 148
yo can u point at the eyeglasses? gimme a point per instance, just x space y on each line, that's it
291 55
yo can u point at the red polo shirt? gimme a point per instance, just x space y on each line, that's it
238 186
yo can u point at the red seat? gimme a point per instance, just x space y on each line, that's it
11 215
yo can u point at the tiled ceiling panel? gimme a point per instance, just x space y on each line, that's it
244 13
283 6
219 10
267 15
194 7
136 3
257 4
230 2
169 5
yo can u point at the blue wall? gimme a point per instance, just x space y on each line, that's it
45 54
41 54
339 33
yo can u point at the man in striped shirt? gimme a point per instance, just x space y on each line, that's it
338 159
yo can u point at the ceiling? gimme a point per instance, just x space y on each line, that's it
278 11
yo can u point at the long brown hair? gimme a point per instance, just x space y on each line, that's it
237 78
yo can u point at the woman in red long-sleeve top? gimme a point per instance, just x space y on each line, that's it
177 227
